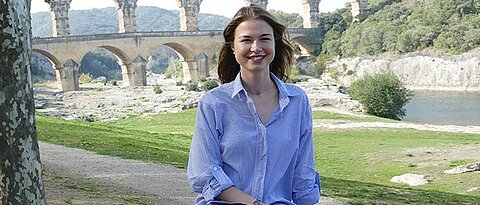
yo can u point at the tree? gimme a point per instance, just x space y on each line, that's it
21 179
381 94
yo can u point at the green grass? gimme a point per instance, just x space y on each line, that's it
113 140
182 122
324 115
376 155
356 164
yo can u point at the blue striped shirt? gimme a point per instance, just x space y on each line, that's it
232 147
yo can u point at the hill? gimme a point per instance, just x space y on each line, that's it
104 20
401 26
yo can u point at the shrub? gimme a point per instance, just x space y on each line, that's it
209 84
294 76
157 89
192 87
381 94
85 78
113 82
174 69
321 66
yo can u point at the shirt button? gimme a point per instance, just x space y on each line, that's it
215 168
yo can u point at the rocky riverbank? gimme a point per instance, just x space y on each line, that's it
100 102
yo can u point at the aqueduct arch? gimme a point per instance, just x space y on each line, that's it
65 73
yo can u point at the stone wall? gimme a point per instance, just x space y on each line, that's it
419 70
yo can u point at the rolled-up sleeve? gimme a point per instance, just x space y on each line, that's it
305 189
205 172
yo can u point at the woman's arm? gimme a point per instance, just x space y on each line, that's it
305 190
232 194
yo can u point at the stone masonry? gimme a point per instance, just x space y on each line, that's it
59 11
189 10
311 11
260 3
126 15
358 7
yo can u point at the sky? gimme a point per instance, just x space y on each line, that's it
220 7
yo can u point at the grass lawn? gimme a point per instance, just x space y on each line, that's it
355 164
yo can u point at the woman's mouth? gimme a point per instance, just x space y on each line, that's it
256 58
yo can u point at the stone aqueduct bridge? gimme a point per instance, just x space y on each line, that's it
132 47
131 50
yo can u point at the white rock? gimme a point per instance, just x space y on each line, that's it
464 168
473 189
410 179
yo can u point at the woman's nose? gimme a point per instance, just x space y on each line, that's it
255 46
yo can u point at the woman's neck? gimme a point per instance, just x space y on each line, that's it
257 83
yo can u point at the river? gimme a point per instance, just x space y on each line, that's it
444 107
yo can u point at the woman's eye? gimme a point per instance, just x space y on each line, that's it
245 40
265 39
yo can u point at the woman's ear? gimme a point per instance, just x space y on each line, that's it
233 50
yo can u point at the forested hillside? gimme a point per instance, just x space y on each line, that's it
401 26
105 21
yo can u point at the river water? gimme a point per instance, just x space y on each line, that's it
444 107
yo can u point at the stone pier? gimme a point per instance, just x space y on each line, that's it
311 10
126 15
358 7
60 23
189 10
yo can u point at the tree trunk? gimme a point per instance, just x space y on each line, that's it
21 179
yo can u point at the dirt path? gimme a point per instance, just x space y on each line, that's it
325 124
166 184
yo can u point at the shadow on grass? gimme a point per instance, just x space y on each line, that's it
369 193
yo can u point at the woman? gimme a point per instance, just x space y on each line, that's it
253 138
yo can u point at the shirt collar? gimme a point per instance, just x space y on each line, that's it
284 92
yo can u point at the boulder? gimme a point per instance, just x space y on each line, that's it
410 179
464 168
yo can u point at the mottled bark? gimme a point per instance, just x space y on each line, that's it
21 179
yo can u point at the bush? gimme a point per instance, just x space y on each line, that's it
174 69
113 82
381 94
192 87
157 89
85 78
294 76
321 66
209 84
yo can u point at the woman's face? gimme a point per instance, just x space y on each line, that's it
254 45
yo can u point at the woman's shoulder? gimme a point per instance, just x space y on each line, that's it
217 94
294 90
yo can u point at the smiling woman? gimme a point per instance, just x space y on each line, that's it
253 136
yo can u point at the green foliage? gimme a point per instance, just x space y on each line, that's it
192 87
101 62
85 78
174 69
157 89
290 20
381 94
209 84
294 76
405 26
321 66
